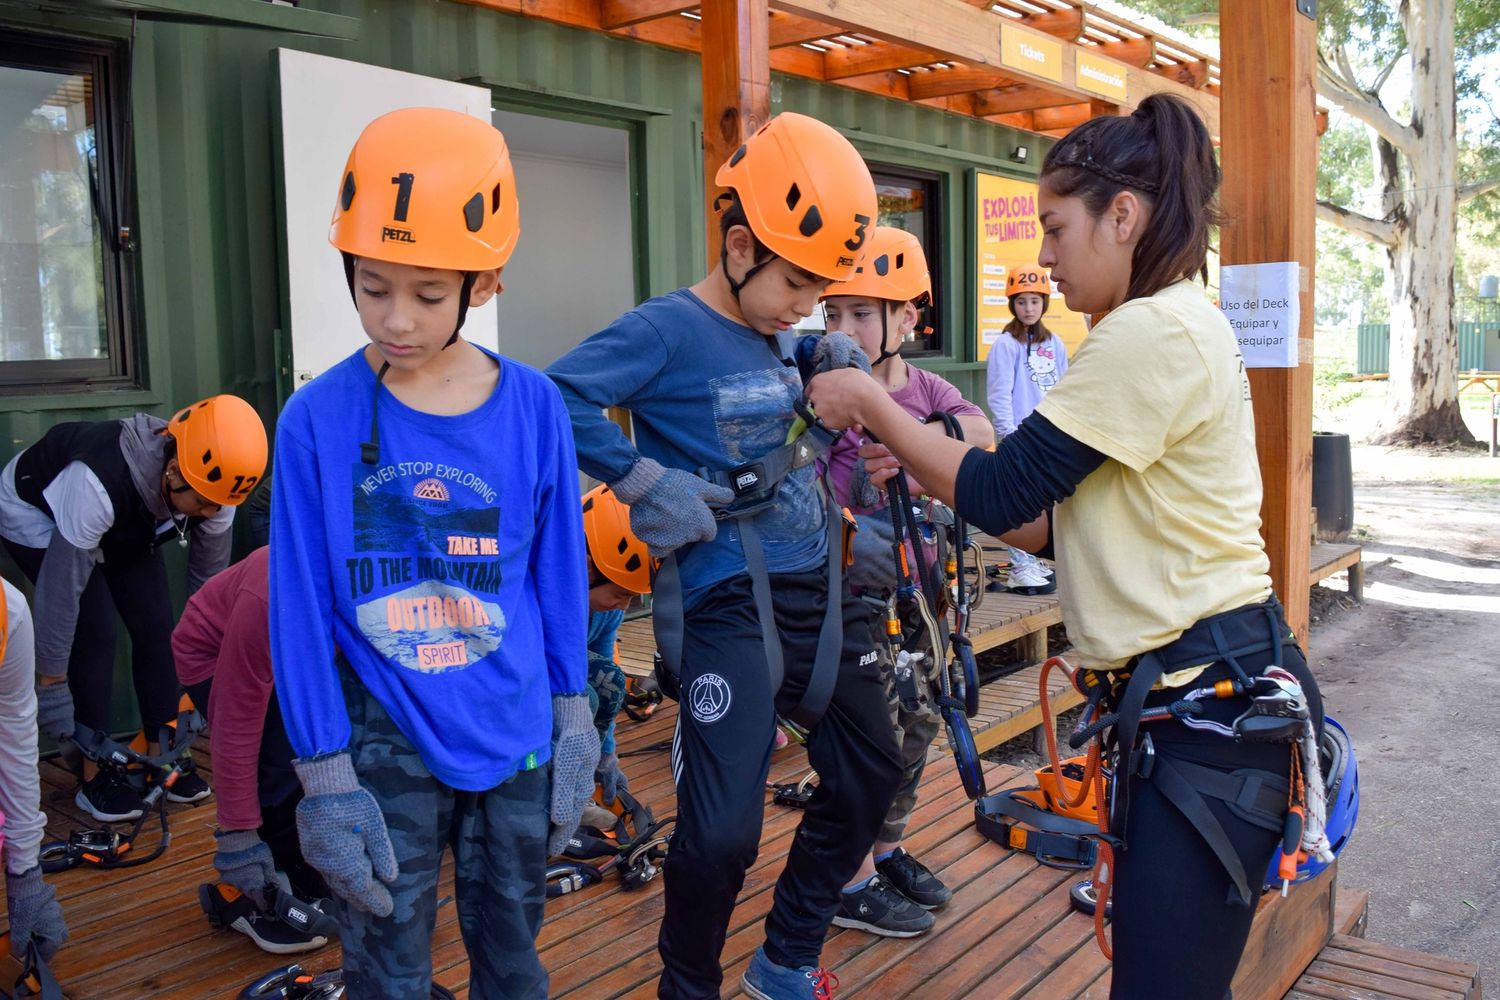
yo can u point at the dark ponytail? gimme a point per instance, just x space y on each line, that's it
1163 152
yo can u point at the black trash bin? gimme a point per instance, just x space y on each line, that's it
1333 486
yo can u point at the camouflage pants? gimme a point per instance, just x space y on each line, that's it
915 732
499 843
606 698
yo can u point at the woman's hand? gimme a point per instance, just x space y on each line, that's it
842 397
879 462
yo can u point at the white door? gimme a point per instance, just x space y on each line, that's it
325 104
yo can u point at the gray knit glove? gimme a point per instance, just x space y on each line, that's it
610 779
575 751
244 861
838 350
35 914
54 710
669 508
343 833
874 569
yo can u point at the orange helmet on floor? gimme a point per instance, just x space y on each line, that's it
806 193
894 269
431 188
221 448
617 553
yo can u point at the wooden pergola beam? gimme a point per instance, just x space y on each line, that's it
1189 74
959 80
953 29
888 84
792 29
1064 24
1270 159
857 60
1020 98
1137 52
623 13
680 33
736 89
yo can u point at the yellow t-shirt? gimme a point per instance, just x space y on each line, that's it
1167 530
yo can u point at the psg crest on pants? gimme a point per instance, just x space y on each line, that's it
708 698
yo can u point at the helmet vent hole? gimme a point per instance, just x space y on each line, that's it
474 213
620 548
883 264
793 195
495 200
588 505
900 261
346 196
812 221
215 474
633 563
739 154
208 456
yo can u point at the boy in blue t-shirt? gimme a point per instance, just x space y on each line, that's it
423 486
709 377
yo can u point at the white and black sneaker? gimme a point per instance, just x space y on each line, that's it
227 907
913 880
189 787
109 797
880 909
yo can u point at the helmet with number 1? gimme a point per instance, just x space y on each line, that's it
894 269
428 187
616 552
221 448
806 193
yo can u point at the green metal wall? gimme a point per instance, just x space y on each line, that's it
1373 351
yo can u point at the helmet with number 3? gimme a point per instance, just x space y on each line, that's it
806 193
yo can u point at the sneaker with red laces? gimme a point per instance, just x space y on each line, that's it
765 980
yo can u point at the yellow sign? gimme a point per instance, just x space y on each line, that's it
1008 236
1036 54
1097 75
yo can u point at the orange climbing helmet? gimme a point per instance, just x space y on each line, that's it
1028 279
894 269
806 193
221 448
617 553
431 188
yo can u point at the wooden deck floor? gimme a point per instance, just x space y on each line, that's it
1007 933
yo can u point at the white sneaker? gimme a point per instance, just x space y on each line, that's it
1026 576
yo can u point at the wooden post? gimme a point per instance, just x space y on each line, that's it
736 88
1270 159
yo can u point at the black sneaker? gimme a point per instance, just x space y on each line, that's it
189 786
109 798
879 909
227 907
913 880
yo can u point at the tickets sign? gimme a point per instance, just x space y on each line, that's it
1034 53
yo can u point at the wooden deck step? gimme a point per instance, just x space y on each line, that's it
1352 968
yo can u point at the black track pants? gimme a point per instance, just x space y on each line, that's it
720 757
138 591
1179 927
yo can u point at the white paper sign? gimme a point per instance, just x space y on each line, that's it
1262 304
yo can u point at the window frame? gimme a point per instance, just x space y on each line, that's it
931 182
104 63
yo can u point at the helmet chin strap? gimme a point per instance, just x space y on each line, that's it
463 294
886 354
735 286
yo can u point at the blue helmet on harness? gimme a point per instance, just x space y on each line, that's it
1341 779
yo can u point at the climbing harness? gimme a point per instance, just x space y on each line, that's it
634 847
1056 819
106 848
755 485
794 794
642 696
292 982
1277 712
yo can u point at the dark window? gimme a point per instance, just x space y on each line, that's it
64 283
910 200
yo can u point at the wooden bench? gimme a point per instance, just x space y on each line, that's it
1351 968
1327 558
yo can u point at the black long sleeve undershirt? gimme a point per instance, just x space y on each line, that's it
1031 470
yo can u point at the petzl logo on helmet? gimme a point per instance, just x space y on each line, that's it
390 234
709 698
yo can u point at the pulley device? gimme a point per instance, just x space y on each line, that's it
292 982
632 845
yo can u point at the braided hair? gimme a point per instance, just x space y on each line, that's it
1163 152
